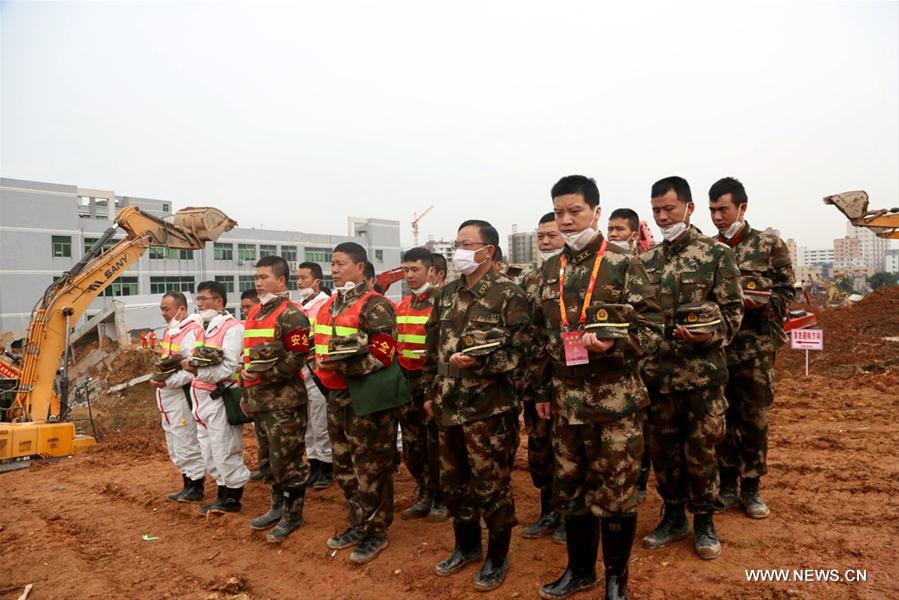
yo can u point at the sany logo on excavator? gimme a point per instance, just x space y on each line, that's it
109 273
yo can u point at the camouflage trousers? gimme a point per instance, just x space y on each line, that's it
684 429
363 449
597 466
540 447
749 393
420 440
476 461
281 437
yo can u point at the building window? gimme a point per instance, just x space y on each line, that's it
161 285
161 253
187 254
156 252
223 251
88 242
246 252
227 281
62 246
246 282
165 208
292 281
319 255
289 253
328 282
379 257
123 286
267 250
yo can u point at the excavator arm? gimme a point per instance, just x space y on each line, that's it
884 222
63 303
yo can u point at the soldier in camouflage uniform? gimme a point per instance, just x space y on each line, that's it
764 262
593 383
363 445
475 342
275 397
539 430
688 406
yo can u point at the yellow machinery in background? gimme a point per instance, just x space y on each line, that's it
883 222
31 426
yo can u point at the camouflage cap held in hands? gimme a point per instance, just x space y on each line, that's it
698 317
347 346
207 356
610 321
264 356
756 288
166 367
479 342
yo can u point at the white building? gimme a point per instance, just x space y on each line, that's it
873 248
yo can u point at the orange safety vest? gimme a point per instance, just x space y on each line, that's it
172 344
214 341
346 323
259 331
410 329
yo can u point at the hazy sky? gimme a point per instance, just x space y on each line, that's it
295 116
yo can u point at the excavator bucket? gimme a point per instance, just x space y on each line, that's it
852 204
204 222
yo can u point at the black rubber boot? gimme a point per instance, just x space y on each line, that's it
548 521
230 501
582 541
750 499
370 546
707 544
439 512
422 506
274 513
325 476
291 515
175 496
314 472
219 501
617 541
467 550
194 492
496 565
257 475
727 494
348 538
674 526
643 479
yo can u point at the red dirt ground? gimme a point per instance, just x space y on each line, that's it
74 528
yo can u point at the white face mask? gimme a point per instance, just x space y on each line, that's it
268 297
422 289
672 232
208 314
731 231
548 254
623 244
345 287
580 240
176 321
464 261
306 293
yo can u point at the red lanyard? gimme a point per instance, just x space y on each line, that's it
590 287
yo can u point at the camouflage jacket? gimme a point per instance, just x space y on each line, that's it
693 268
281 386
609 387
530 283
377 316
494 303
763 255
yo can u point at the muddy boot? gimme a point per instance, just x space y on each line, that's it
370 546
219 500
583 545
291 515
548 521
174 496
350 537
257 475
230 501
422 506
467 550
495 567
752 502
560 535
674 526
314 472
439 512
707 544
727 496
643 479
274 513
617 541
194 492
325 476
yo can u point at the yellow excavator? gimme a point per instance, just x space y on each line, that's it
883 222
32 425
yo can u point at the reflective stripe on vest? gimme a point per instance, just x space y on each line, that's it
411 333
172 344
346 323
259 331
214 341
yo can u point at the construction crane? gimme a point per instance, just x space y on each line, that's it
883 222
415 219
